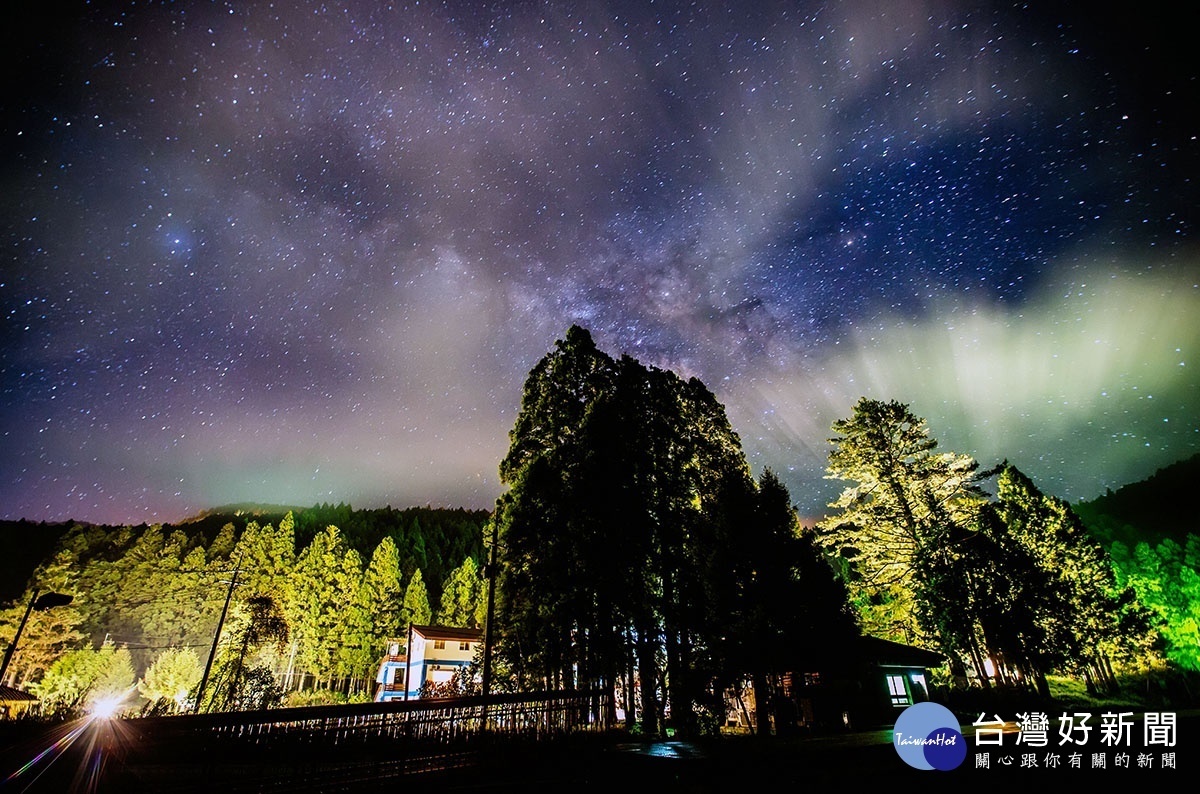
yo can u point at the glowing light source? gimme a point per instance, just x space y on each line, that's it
106 707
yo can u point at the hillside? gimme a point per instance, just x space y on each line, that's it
1148 510
434 539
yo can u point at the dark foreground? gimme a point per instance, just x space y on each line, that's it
854 760
613 762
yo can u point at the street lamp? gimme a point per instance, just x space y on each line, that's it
40 602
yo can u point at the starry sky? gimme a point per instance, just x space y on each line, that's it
306 252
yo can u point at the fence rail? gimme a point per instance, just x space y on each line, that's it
241 751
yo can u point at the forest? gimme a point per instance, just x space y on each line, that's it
634 551
314 596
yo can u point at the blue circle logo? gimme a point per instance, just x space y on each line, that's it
926 736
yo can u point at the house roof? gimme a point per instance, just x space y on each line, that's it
888 653
448 633
10 694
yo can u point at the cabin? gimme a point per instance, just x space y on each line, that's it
433 654
868 686
887 678
14 702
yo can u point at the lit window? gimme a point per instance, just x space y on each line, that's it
898 691
919 685
439 645
464 646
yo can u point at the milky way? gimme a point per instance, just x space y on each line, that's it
302 253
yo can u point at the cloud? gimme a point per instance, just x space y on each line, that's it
1091 383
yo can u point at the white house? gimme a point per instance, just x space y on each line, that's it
435 653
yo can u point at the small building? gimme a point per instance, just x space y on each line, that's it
901 675
888 678
14 702
433 655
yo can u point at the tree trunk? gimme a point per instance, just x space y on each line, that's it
762 700
977 660
648 677
1043 686
630 664
1112 676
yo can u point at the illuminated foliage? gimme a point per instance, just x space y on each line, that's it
170 679
1166 579
48 633
903 497
416 608
462 597
326 581
82 677
1088 618
382 590
1015 586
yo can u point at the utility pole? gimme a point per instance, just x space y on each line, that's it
489 623
408 655
489 627
237 568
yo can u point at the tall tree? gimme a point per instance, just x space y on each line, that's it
326 580
356 652
416 608
983 595
461 596
786 610
382 592
557 392
904 494
1093 620
628 488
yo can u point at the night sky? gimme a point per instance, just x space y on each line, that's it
295 253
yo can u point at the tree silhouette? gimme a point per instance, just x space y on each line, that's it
629 497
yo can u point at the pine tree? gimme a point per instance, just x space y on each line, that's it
461 596
416 609
1093 620
356 649
266 556
326 580
904 496
382 592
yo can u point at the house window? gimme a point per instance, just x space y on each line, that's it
919 686
464 646
439 645
812 679
898 691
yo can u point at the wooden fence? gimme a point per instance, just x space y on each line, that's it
292 749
